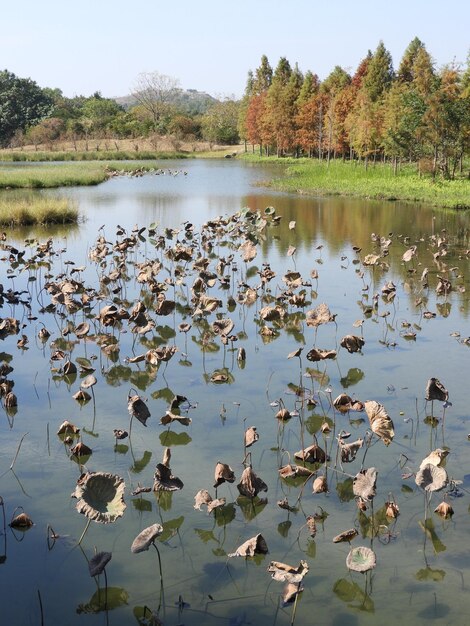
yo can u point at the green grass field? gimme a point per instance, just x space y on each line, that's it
377 182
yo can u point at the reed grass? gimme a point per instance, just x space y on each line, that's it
91 155
378 181
29 210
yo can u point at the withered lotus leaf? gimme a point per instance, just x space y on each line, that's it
21 521
409 254
165 307
364 484
444 509
82 330
250 484
10 400
320 485
67 427
81 449
431 477
283 414
380 422
171 417
88 382
346 535
137 408
361 559
81 396
311 525
435 457
255 545
120 434
371 259
282 572
290 592
223 473
251 436
69 368
164 479
271 313
144 539
352 343
320 355
202 497
248 250
343 402
100 496
435 390
319 315
215 504
392 509
311 454
98 562
349 450
223 327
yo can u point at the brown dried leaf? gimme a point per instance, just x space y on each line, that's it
352 343
319 315
250 484
431 478
202 497
164 479
435 390
255 545
251 436
223 473
320 355
364 484
380 422
171 417
311 454
320 485
290 592
21 521
288 573
346 535
137 408
67 427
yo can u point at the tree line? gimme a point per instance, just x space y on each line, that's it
416 113
30 114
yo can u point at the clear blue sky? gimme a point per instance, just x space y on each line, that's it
102 45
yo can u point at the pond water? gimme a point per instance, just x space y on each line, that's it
420 332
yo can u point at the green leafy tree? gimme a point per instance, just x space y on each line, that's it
22 104
220 123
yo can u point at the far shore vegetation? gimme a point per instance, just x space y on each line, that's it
30 210
379 181
377 132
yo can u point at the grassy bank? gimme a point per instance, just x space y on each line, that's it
29 210
377 182
63 174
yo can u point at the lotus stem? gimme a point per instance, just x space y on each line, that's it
162 597
40 608
84 532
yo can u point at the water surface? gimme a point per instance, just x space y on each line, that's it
421 575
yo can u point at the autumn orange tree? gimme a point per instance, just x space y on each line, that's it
415 114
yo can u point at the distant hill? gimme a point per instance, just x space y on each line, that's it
189 100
